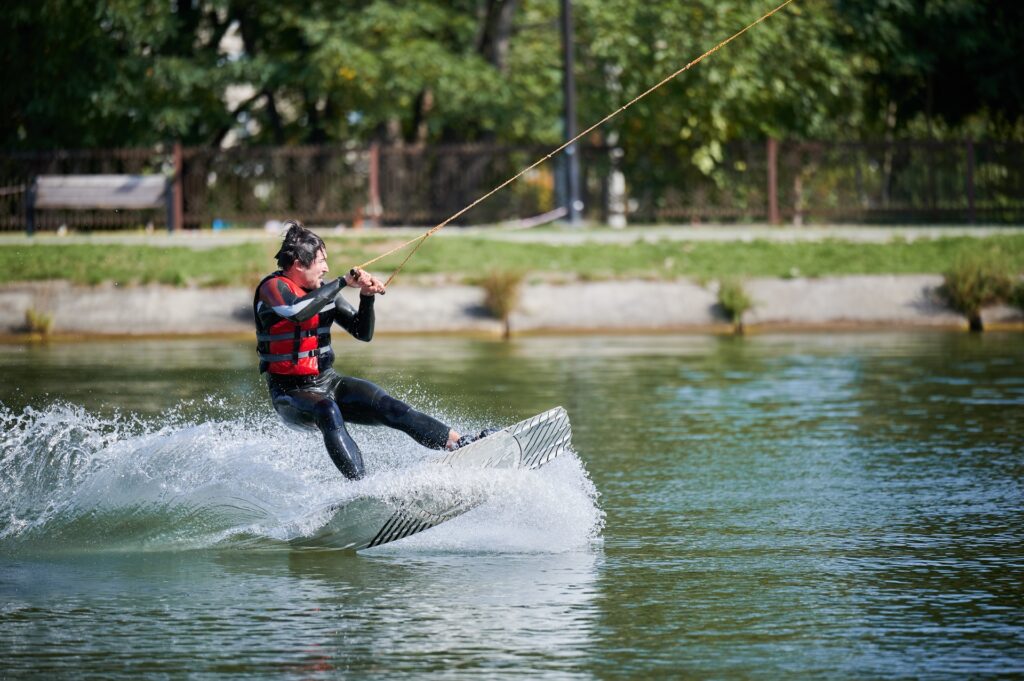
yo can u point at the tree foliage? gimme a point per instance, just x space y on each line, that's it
940 65
78 73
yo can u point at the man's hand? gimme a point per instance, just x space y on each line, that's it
367 283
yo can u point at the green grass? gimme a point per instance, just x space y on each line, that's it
468 258
707 260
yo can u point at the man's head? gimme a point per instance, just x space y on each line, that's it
303 256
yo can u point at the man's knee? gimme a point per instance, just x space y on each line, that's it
328 416
294 415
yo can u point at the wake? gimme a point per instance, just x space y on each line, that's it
73 480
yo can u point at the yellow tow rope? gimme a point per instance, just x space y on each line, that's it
423 237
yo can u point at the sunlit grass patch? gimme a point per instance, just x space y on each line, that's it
465 257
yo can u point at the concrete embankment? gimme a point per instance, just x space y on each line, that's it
615 306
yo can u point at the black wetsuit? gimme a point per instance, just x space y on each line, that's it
328 400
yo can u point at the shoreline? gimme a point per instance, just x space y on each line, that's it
7 339
839 303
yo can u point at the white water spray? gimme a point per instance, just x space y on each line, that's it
70 479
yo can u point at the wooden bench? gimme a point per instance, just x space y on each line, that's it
83 192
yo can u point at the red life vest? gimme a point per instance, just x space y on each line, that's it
291 348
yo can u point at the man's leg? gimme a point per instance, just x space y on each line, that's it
366 403
306 408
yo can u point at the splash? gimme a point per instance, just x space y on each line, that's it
73 480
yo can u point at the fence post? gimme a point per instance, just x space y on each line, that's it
971 217
374 209
773 181
618 201
178 210
30 208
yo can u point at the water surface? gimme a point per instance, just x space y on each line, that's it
810 505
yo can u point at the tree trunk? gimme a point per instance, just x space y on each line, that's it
887 158
492 42
421 111
274 117
496 32
314 127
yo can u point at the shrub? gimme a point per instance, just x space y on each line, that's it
502 291
973 284
734 301
38 323
1017 295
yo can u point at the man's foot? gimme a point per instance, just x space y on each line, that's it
466 439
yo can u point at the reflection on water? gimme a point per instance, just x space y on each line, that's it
303 613
845 505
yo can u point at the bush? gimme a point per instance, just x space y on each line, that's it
1017 295
972 284
734 301
38 323
502 291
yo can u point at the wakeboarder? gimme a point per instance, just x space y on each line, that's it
295 310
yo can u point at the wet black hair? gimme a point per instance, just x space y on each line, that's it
299 244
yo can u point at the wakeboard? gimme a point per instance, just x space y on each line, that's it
528 444
365 522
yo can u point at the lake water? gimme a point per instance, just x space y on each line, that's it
847 505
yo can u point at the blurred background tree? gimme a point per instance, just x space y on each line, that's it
78 73
938 67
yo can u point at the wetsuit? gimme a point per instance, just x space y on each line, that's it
323 399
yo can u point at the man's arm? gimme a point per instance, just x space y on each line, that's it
278 302
359 322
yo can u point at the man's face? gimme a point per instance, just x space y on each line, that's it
313 276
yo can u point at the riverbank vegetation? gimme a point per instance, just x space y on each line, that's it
38 323
502 293
1017 295
973 284
470 258
735 302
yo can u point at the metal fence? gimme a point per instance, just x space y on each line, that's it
757 181
903 182
18 170
368 185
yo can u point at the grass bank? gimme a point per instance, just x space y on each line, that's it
470 258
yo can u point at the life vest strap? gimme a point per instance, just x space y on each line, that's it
270 337
294 357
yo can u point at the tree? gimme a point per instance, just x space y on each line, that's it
787 77
943 63
86 74
138 72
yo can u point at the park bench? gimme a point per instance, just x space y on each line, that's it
84 192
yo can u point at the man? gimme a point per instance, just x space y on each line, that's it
294 310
